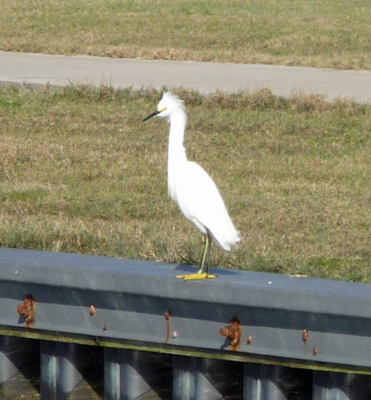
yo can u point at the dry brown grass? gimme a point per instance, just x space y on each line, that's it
79 172
331 34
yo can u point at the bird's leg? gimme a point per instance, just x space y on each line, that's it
208 238
203 272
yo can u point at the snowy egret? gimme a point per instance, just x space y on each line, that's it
193 189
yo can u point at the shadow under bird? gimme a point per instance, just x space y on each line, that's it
193 189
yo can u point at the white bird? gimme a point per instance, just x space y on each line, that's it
193 189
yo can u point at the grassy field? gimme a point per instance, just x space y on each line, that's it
80 173
331 33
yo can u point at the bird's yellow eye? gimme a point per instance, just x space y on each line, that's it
163 109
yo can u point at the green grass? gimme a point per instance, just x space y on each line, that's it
331 33
80 173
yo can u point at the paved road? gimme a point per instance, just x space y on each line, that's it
40 69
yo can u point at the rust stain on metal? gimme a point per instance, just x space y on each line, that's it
315 351
93 310
27 310
305 336
233 332
168 326
249 340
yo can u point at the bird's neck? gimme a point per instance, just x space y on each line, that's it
177 153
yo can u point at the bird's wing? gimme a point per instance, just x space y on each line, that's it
200 201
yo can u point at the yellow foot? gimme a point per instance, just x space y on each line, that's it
199 275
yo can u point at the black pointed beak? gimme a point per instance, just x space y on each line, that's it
151 116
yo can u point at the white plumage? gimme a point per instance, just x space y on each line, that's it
192 188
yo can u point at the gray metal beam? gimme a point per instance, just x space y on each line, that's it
132 374
59 371
19 358
131 297
338 386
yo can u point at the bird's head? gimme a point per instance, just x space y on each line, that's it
169 104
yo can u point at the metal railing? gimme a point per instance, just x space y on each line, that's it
85 327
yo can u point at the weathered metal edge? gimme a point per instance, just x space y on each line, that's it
236 287
103 342
132 296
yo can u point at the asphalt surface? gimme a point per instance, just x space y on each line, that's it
57 70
